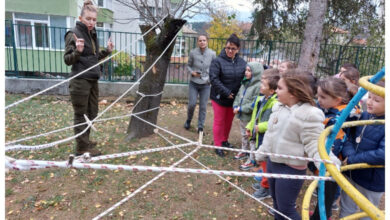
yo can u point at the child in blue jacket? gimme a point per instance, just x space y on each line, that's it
366 145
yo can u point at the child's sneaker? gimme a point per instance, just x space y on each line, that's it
240 156
271 211
256 186
315 194
262 193
258 178
335 207
247 165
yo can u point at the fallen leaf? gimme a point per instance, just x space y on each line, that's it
103 102
97 205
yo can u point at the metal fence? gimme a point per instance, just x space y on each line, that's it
37 51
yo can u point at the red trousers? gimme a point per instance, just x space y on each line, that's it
264 180
223 119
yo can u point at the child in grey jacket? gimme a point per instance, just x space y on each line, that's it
242 105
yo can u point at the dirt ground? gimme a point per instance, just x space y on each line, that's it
84 194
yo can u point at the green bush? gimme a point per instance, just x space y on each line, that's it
124 69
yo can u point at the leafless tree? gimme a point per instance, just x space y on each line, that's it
152 11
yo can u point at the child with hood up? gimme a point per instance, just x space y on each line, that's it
242 105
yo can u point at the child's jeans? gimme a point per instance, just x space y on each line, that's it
284 192
349 207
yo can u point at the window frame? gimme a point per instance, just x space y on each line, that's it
32 23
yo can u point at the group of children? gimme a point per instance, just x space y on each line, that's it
284 111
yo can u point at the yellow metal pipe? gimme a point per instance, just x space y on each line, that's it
355 216
306 200
357 166
313 185
356 196
379 90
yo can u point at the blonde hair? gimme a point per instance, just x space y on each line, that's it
88 5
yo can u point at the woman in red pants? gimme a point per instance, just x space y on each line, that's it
226 73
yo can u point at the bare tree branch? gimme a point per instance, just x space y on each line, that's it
184 8
188 7
182 2
151 15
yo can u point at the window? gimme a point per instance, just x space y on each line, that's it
31 30
99 25
179 49
141 48
40 31
8 33
23 34
105 4
57 31
41 35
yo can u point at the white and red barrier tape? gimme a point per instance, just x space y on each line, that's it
269 154
126 154
37 164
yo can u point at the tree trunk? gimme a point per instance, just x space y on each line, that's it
313 34
153 82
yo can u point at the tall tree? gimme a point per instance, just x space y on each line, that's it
286 20
155 42
313 34
221 27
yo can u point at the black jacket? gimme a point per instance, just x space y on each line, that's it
225 78
90 55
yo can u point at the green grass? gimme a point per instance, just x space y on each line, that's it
8 192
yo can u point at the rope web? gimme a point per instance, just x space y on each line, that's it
86 162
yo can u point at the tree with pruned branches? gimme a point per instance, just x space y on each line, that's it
156 41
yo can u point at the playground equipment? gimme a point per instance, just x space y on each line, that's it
328 137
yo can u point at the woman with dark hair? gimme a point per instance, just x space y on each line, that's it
226 73
82 51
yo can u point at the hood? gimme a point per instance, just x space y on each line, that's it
257 70
224 56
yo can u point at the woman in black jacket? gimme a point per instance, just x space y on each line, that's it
82 52
226 73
